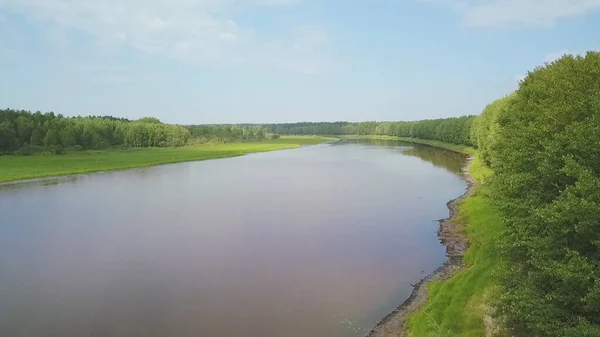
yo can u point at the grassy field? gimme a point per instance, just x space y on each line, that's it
38 166
459 306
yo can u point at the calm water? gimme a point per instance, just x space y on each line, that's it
321 241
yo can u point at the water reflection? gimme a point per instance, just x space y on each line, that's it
449 160
320 241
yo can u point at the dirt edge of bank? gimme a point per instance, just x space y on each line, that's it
453 238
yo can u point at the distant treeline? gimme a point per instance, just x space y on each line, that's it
23 132
227 132
452 130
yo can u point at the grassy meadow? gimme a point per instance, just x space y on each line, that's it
39 166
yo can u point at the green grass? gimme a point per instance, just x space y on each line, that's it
457 307
39 166
452 147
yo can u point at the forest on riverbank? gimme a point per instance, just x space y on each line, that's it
26 133
542 234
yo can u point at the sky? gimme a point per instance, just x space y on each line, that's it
259 61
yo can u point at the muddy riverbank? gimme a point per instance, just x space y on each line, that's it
452 237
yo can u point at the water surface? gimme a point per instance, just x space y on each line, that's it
321 241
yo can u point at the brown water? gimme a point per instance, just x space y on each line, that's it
321 241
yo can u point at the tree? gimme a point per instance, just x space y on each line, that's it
36 137
7 136
52 138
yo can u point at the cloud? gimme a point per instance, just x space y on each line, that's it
517 13
198 32
102 73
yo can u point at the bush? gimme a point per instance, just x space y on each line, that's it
24 151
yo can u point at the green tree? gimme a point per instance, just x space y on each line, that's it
36 137
52 138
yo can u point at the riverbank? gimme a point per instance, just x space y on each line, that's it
13 168
452 147
453 300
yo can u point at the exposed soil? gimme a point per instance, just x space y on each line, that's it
451 235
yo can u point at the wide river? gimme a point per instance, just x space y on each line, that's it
320 241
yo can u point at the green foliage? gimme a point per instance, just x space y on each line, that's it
228 133
546 158
57 132
450 130
151 120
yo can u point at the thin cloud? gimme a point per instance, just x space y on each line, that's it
517 13
197 32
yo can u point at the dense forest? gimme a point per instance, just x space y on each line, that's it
543 144
24 133
227 133
452 130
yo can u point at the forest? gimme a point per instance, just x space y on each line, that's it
451 130
25 133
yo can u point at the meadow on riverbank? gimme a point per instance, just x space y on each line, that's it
38 166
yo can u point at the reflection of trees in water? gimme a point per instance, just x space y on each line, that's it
17 186
449 160
441 158
374 142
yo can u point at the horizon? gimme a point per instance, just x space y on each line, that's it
280 61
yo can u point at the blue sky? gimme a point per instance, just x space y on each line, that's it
230 61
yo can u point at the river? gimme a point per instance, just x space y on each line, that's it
320 241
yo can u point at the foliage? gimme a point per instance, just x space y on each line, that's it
57 133
450 130
228 133
546 159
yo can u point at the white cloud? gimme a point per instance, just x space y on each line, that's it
518 13
200 32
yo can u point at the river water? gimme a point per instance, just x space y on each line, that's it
320 241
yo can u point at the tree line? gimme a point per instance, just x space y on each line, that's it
452 130
23 133
227 133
